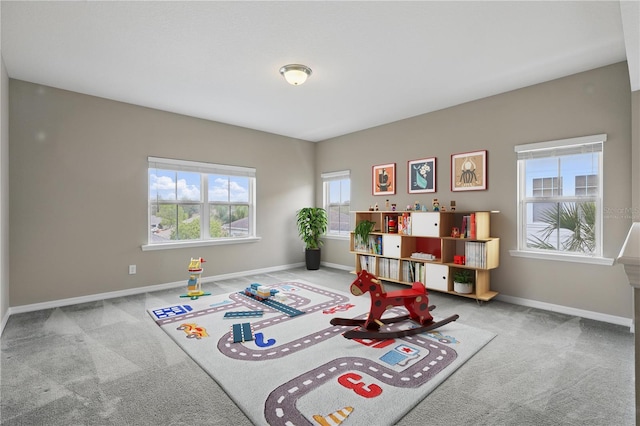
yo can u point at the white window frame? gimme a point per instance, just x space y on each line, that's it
552 149
204 169
326 179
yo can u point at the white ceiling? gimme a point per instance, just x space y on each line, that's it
373 62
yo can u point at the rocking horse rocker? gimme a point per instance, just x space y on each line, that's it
415 300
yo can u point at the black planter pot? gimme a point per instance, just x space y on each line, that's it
312 259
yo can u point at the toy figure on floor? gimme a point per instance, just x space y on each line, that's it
415 300
194 285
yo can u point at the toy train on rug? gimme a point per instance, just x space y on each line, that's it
415 300
260 292
270 297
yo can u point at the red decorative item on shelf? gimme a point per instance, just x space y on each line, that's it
459 260
392 225
472 234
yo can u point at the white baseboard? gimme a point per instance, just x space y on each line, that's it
4 321
597 316
627 322
132 291
337 266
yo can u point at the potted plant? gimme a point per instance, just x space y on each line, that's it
312 224
362 231
463 281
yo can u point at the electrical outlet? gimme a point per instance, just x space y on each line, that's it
132 269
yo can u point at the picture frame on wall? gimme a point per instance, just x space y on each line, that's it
469 171
421 175
384 179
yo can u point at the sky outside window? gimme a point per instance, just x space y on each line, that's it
225 189
170 185
567 167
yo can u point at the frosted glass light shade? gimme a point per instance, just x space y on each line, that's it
295 74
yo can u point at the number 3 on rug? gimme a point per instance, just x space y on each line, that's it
370 391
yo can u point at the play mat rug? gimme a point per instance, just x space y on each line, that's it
304 371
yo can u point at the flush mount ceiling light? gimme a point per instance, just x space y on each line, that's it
295 74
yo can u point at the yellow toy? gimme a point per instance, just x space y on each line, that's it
194 285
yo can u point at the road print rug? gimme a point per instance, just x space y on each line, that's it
295 368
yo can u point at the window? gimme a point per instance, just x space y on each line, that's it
337 198
545 187
587 185
199 203
560 196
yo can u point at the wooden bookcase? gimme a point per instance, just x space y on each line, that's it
421 248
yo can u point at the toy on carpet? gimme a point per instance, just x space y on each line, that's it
241 332
415 300
267 296
260 292
243 314
335 418
194 331
194 285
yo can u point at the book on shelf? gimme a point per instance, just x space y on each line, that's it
476 254
472 226
373 244
468 227
388 268
413 271
463 227
407 272
404 224
368 263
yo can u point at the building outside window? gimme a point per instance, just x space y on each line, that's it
545 187
587 185
560 196
337 199
199 202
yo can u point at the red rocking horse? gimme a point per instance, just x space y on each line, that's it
415 300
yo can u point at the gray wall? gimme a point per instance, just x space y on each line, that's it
78 193
78 185
4 194
594 102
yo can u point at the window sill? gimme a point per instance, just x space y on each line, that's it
189 244
562 257
336 237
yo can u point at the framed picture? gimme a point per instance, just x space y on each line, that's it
422 175
469 171
384 179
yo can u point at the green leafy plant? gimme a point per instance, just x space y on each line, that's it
363 229
312 224
463 276
579 218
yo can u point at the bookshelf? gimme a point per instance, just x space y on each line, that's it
408 246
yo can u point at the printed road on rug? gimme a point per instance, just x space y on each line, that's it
283 363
